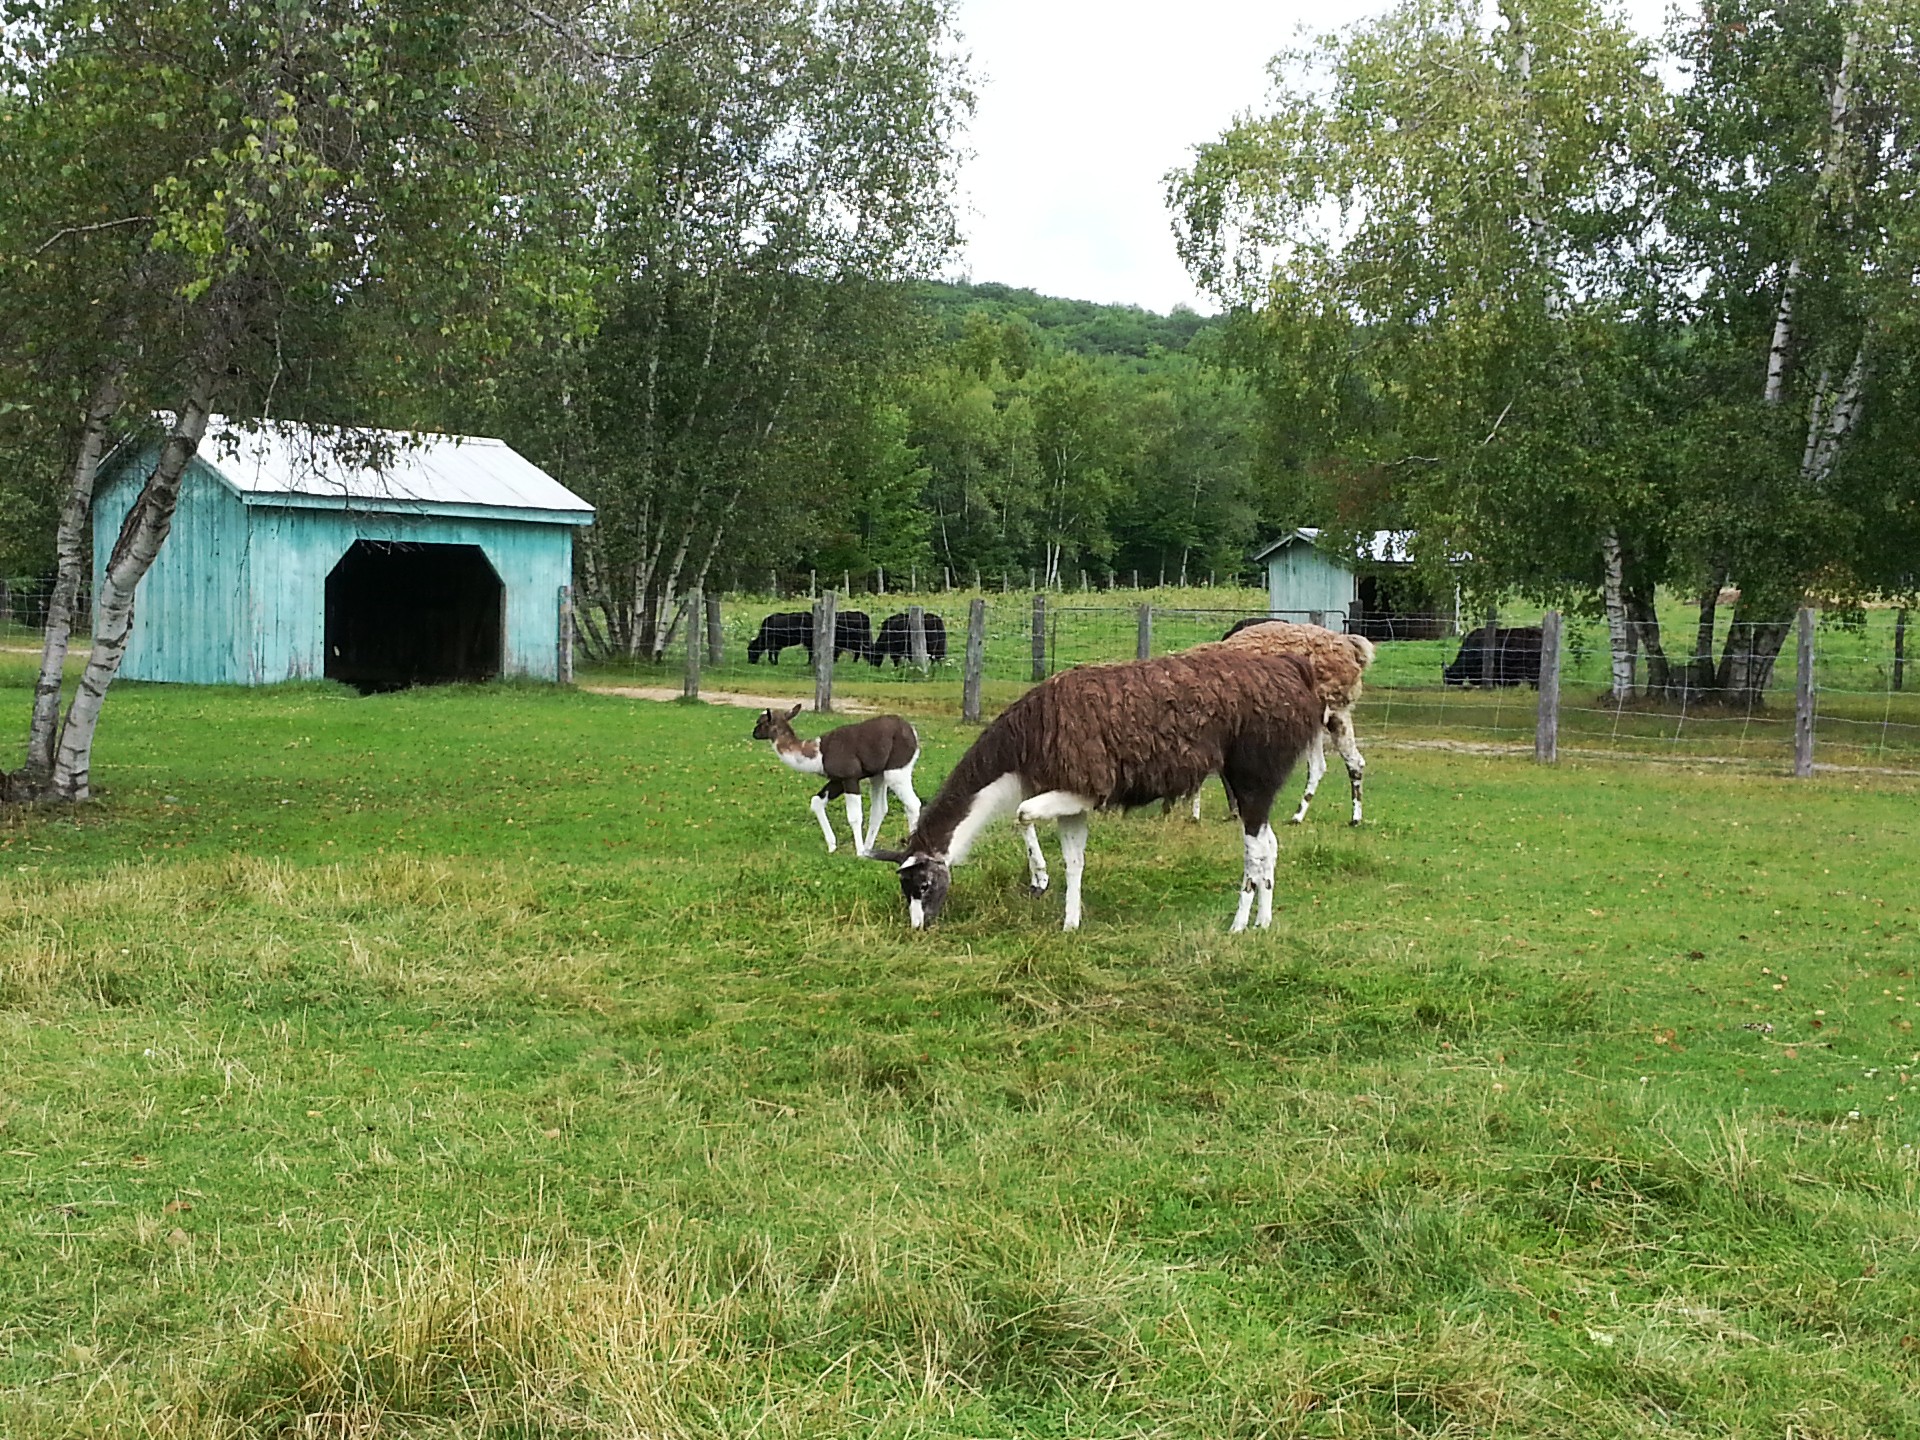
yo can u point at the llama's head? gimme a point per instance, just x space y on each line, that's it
923 881
769 724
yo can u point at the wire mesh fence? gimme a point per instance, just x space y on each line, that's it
23 612
1436 679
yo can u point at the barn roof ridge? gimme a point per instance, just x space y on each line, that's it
1386 547
290 462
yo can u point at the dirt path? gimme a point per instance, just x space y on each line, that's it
723 697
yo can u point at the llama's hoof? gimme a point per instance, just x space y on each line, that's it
1353 822
1297 820
1034 892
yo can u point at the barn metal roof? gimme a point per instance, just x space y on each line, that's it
281 462
1385 547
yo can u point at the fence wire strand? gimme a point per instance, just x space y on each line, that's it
1427 685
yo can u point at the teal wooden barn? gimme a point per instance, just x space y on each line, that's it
1372 593
374 558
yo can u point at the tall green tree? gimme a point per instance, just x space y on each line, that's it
1431 241
780 167
1796 195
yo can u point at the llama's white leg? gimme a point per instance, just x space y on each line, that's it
879 813
1269 858
1036 861
853 820
901 783
1073 856
1252 848
819 806
1196 805
1349 748
1316 767
1052 805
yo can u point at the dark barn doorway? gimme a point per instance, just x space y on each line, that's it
1393 607
402 614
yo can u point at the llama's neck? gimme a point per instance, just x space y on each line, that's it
965 806
798 754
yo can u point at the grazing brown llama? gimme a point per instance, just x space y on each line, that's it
1339 662
1117 736
882 750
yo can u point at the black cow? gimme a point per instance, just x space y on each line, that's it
1515 659
895 643
777 632
852 635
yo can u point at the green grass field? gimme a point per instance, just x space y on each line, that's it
509 1062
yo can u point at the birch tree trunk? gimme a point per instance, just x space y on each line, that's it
593 602
1619 625
141 536
1646 633
1700 668
1754 641
1746 668
663 635
70 548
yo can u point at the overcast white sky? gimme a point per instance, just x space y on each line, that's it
1085 104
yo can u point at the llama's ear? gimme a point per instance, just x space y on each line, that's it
795 710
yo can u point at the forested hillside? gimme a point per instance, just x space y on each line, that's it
1082 326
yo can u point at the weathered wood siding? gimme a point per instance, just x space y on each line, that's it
1301 578
238 593
188 614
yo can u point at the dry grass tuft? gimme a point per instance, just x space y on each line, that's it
132 931
669 1336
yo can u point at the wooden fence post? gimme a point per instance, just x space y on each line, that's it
1803 699
1900 648
823 637
563 670
1039 638
976 655
917 637
1144 650
716 637
690 686
1489 670
1546 732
